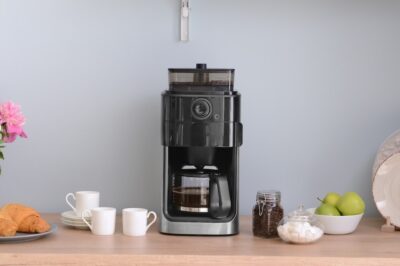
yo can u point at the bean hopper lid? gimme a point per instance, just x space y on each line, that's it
201 80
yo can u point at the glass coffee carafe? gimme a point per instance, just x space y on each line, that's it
204 192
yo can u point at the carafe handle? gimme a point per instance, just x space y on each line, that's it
220 200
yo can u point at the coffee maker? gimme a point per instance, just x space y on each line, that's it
201 135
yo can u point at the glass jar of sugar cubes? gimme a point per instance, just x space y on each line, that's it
300 227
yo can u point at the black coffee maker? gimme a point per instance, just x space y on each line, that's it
201 135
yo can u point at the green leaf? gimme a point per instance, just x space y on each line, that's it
1 155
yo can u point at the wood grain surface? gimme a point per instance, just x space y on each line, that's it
367 246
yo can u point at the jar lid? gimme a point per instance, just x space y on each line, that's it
301 215
269 195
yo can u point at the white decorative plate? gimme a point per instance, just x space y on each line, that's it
389 147
386 189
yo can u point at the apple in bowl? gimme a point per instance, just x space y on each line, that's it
340 214
338 225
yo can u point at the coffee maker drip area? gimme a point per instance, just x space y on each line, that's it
201 135
199 192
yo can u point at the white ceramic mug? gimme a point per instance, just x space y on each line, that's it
102 220
134 221
83 200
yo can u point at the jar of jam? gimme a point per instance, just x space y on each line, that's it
267 213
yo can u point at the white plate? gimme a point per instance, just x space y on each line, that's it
77 226
72 223
75 221
72 216
22 237
388 148
386 189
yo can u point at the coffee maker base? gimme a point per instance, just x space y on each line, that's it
199 228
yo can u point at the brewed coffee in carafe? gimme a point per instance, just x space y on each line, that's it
191 192
204 193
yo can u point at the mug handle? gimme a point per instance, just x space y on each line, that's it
153 221
87 214
69 203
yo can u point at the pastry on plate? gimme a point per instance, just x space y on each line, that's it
7 226
27 219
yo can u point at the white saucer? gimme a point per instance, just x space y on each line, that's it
75 221
80 227
70 215
76 225
72 222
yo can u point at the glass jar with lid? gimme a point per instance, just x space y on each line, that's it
300 227
267 213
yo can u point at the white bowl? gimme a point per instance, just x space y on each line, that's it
338 225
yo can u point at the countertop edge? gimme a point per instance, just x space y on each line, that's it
136 259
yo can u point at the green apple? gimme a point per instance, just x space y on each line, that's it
350 204
327 209
331 198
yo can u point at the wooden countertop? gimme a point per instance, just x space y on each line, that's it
367 246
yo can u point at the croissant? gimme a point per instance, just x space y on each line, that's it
27 219
7 226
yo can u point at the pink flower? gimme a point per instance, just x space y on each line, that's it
12 121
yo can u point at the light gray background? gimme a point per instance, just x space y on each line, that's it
319 80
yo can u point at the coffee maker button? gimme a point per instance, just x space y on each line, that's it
201 108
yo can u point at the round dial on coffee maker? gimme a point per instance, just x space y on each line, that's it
201 108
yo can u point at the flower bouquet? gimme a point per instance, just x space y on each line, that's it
11 123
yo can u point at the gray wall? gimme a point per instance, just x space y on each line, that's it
319 79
